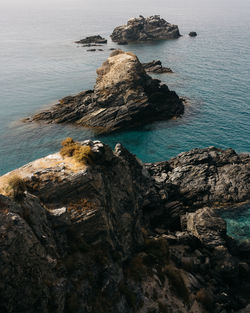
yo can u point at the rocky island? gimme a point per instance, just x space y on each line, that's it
124 97
95 230
156 67
145 29
97 39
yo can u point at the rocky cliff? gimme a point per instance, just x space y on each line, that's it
116 235
145 29
124 97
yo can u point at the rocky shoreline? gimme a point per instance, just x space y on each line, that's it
115 235
95 230
124 97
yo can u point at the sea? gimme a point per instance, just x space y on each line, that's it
40 63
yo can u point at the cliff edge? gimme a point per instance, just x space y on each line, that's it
112 234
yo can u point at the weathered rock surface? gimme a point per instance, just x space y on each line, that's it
206 176
124 97
97 39
145 29
207 227
83 238
156 67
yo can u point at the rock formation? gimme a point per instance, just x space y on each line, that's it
156 67
145 29
221 176
116 235
124 97
92 40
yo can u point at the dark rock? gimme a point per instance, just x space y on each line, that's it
245 310
192 34
217 172
122 43
82 238
91 50
92 45
124 97
156 67
145 29
92 39
207 226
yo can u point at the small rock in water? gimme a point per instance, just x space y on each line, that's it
92 45
156 67
92 39
192 34
122 43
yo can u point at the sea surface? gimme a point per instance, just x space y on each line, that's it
40 63
238 222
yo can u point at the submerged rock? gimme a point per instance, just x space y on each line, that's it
145 29
92 45
82 238
92 40
124 97
156 67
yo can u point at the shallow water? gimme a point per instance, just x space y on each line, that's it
40 63
238 222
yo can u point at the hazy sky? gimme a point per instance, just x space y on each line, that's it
202 3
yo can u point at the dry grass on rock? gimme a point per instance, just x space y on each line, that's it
14 187
72 149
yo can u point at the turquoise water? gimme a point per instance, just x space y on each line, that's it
238 222
39 64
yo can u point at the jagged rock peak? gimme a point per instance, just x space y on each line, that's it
145 29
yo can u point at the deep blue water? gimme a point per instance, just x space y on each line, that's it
39 63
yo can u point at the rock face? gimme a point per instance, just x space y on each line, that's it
145 29
206 176
85 238
92 40
207 226
124 97
156 67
